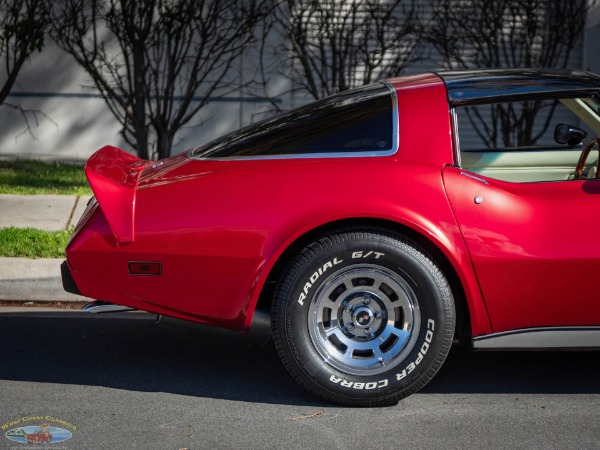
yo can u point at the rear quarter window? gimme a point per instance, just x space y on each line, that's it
360 120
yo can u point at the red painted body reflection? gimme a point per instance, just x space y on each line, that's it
526 256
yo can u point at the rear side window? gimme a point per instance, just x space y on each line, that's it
360 120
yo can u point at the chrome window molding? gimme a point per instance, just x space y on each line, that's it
474 177
327 155
455 137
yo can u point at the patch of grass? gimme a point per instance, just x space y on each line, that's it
33 243
38 177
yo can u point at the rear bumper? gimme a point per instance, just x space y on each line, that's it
67 279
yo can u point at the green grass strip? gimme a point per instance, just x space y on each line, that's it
23 176
33 243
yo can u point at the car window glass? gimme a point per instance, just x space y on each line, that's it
353 121
525 141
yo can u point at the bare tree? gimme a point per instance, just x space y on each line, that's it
156 63
507 33
335 45
22 31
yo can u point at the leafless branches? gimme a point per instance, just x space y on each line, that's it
335 45
507 33
29 116
157 62
22 32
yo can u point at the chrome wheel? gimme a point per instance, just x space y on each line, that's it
363 316
364 319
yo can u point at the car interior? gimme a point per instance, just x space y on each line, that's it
555 156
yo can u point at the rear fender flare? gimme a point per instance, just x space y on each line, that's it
449 245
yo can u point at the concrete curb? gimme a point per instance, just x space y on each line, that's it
24 279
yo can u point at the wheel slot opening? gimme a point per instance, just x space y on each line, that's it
363 354
327 318
389 343
391 294
337 292
339 345
399 313
363 281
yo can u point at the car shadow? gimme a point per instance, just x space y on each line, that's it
518 372
131 352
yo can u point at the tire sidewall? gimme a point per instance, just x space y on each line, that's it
338 253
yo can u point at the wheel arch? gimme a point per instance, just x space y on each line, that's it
463 320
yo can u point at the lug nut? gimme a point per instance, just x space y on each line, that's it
381 361
378 315
366 300
348 307
368 331
349 327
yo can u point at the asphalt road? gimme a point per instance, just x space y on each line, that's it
120 381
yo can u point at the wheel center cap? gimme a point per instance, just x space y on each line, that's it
363 317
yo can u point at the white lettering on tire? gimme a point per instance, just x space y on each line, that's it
315 276
356 385
422 351
372 254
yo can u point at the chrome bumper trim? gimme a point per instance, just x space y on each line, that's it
546 338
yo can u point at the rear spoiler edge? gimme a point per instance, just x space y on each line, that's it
113 175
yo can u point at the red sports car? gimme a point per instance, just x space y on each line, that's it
372 228
38 436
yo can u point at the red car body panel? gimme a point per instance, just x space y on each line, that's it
215 228
528 271
214 265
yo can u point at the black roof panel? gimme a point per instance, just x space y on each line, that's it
468 87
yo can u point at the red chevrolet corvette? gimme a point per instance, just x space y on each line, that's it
372 228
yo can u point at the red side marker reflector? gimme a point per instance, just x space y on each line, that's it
145 268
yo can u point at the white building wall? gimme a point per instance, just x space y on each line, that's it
64 124
72 121
69 120
591 54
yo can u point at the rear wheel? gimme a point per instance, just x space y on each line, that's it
363 317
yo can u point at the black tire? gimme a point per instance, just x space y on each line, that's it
363 317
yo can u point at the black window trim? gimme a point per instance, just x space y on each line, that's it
332 154
475 87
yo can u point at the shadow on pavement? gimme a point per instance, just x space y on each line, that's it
131 352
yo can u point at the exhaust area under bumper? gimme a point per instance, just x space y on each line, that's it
67 279
99 307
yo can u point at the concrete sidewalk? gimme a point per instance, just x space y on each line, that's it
45 212
24 279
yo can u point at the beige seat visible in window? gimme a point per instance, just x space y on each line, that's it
523 166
